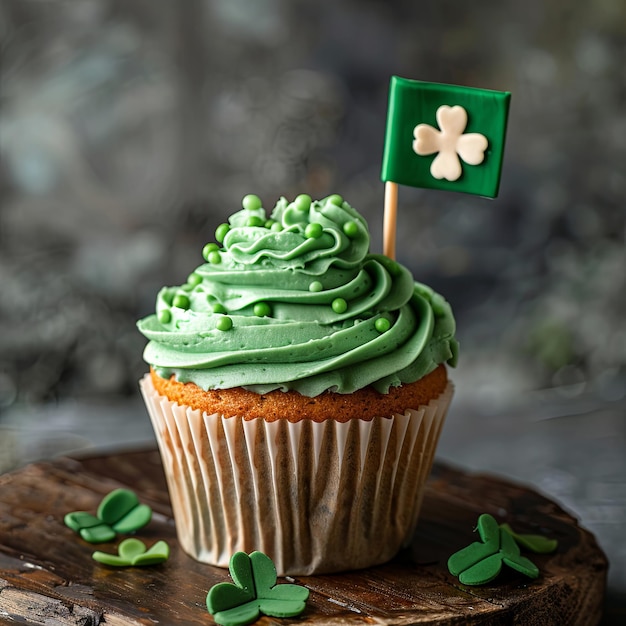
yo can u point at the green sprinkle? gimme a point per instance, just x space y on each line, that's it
251 202
215 258
181 301
277 227
339 305
187 287
219 308
194 279
335 199
164 316
351 229
221 232
210 247
303 202
224 323
269 223
262 309
313 231
316 286
382 324
255 220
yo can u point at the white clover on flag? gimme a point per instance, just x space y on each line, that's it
445 136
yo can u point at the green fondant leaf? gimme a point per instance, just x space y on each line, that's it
254 592
133 520
109 559
281 608
238 616
523 566
488 530
508 545
131 548
225 596
264 573
240 568
158 553
534 543
98 534
483 571
81 519
288 592
116 505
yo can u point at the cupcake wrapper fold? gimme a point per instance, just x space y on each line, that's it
317 497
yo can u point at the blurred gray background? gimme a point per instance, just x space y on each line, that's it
130 128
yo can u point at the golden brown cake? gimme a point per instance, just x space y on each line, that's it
364 404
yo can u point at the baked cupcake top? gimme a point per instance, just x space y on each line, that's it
296 301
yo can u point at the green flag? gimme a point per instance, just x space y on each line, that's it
445 136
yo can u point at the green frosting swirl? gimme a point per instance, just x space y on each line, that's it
297 302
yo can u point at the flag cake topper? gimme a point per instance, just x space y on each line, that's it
441 137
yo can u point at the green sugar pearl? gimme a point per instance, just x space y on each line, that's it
339 305
335 199
210 247
303 202
316 286
221 232
382 324
181 301
224 323
164 316
218 308
215 258
351 229
251 202
255 220
194 279
313 231
262 309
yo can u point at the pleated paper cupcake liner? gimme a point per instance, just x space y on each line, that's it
317 497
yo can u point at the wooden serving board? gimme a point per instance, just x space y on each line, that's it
47 575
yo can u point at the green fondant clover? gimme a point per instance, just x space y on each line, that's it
133 552
534 543
481 562
254 592
119 512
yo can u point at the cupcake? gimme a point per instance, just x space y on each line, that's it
297 389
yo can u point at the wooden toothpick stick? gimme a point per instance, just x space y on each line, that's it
390 219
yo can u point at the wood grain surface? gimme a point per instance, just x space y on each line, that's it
47 575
